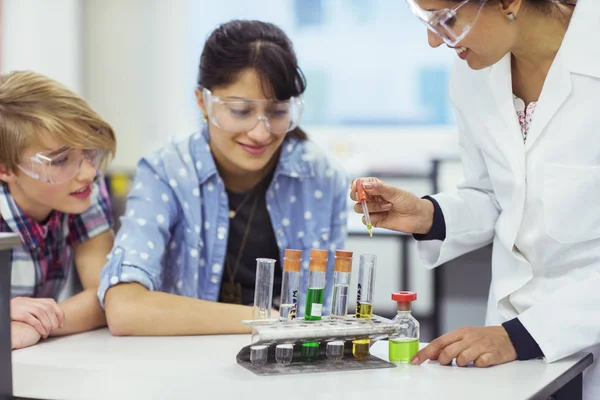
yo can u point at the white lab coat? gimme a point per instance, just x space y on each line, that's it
539 203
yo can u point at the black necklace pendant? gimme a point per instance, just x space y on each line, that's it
231 293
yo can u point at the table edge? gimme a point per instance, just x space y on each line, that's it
9 241
565 377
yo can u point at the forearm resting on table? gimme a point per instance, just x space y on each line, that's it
133 310
82 313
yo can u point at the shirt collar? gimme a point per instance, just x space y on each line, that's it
580 56
32 232
295 161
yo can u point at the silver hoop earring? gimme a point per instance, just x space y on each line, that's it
511 16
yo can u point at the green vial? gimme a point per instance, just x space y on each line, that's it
314 298
404 344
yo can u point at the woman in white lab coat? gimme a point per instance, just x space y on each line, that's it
527 96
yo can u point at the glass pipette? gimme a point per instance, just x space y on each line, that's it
362 198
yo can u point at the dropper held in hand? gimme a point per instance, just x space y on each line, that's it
362 198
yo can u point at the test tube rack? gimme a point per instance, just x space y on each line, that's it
327 329
299 331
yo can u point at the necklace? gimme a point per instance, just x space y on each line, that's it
233 213
232 290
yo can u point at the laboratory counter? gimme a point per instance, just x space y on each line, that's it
96 365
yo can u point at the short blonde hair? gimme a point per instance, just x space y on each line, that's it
33 106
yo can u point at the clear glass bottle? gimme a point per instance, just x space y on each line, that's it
404 345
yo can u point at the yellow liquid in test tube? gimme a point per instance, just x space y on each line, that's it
360 347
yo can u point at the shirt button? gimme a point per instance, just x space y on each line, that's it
214 279
216 268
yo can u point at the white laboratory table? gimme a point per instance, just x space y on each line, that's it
95 365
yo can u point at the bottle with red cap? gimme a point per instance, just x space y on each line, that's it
405 343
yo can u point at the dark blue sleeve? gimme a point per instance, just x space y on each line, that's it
525 345
438 228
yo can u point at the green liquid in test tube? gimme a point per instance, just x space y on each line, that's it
314 298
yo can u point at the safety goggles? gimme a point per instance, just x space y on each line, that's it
243 115
60 165
451 24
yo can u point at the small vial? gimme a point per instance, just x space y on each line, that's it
290 284
335 350
314 298
403 345
258 354
263 300
364 300
284 353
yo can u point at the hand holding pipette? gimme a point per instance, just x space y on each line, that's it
389 207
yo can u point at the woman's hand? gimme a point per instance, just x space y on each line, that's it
393 208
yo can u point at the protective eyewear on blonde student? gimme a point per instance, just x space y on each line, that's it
451 24
59 165
237 115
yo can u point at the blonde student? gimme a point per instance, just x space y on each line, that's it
53 147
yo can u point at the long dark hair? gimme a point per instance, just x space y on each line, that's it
238 45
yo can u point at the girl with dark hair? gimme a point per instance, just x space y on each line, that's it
526 89
204 208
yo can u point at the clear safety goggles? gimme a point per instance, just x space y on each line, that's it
451 24
60 165
243 115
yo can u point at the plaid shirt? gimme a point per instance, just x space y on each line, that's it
41 267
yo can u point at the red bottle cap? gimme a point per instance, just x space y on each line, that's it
404 296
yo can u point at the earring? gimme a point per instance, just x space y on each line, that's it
511 16
204 119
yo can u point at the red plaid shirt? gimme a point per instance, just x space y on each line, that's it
40 267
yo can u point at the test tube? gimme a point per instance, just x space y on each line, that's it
339 301
263 300
314 298
290 282
364 300
341 283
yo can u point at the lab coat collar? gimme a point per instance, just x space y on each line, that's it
580 49
573 57
508 138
